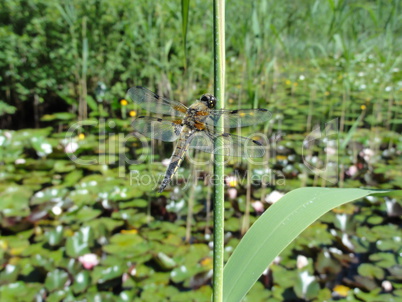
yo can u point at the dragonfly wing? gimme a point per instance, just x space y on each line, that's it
153 102
157 128
202 141
238 118
230 145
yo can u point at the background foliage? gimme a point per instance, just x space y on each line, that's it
82 231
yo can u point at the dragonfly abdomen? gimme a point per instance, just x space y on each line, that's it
175 162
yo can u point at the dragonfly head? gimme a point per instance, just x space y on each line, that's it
209 100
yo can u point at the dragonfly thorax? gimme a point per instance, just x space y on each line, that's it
196 115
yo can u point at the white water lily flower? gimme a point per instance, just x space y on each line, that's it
274 196
89 261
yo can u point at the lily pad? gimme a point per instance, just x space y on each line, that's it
63 166
306 286
126 245
81 281
384 260
54 194
371 271
56 280
15 200
55 236
20 291
103 274
9 274
80 242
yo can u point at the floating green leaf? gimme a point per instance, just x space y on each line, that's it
371 271
56 280
15 200
81 281
80 242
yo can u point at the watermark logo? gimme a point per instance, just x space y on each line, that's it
320 151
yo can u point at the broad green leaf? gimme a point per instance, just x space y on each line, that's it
79 243
55 236
103 274
56 280
19 291
126 245
9 274
306 286
81 281
370 271
275 230
14 200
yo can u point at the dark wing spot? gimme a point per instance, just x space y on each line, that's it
142 116
181 109
262 109
257 143
156 96
159 120
234 111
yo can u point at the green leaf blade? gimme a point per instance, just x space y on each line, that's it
275 230
185 4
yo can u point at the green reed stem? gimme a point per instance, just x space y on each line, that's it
219 91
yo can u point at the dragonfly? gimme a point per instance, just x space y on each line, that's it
196 126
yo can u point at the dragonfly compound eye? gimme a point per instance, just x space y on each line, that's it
205 99
212 102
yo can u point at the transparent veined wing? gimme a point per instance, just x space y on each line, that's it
157 128
238 118
232 145
153 102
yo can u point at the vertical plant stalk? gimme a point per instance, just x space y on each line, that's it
208 202
219 91
191 202
185 4
83 109
246 217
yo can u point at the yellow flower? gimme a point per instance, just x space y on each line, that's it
288 82
207 262
342 290
81 136
363 107
3 244
133 113
132 231
281 157
326 93
123 102
295 84
15 251
14 260
231 181
68 233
